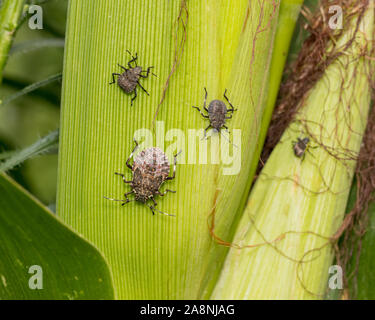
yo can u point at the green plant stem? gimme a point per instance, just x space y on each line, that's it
10 13
46 144
31 88
31 45
6 154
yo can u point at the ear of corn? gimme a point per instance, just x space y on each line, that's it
228 45
309 196
288 16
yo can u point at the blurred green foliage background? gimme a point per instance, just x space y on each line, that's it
30 117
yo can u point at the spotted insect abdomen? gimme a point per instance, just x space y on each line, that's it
150 169
145 185
128 85
216 112
299 149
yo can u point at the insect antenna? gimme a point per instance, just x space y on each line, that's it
205 137
120 200
228 139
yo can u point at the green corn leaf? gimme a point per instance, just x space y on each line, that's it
40 257
228 45
282 244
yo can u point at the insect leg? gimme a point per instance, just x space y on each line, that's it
174 168
152 209
126 196
113 77
135 96
123 177
205 100
226 98
204 116
229 117
205 131
143 88
131 155
148 72
122 67
308 150
121 200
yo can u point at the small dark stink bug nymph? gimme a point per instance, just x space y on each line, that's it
129 79
217 112
150 169
300 147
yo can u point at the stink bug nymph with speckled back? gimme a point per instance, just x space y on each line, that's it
150 169
217 112
301 146
129 79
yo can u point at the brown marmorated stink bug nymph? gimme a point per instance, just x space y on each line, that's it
301 146
150 169
129 79
217 113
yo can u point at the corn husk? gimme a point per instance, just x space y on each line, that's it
282 244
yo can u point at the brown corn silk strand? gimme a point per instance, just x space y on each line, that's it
181 22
